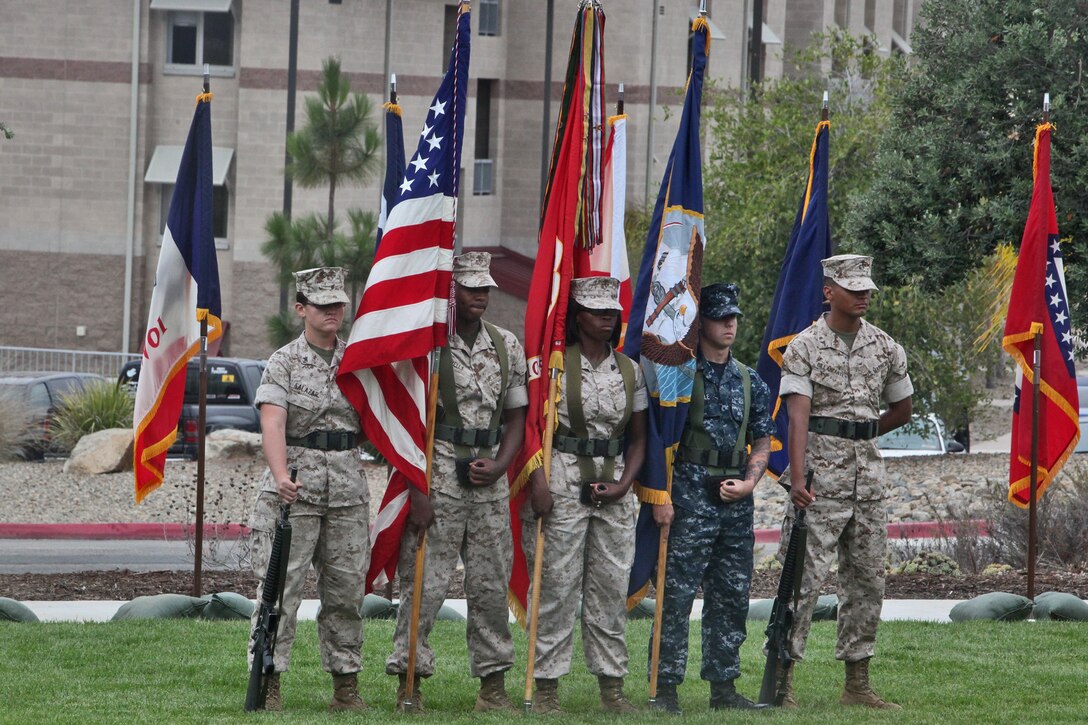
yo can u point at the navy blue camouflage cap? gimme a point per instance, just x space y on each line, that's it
719 301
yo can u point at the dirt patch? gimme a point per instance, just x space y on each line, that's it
125 585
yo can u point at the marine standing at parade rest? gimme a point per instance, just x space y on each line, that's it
589 524
711 537
837 376
479 428
306 422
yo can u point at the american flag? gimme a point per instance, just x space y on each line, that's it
1039 304
403 312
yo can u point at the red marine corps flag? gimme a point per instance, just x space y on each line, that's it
186 291
570 225
403 312
1039 305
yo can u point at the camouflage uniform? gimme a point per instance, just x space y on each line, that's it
848 515
329 520
711 544
473 522
588 551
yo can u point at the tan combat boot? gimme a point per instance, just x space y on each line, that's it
612 698
345 694
417 695
272 700
546 700
858 690
788 699
492 696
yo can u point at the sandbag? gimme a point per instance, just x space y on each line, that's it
227 605
161 606
1060 606
994 606
13 611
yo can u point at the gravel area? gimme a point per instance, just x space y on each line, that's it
42 492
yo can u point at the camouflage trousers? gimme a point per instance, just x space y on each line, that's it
716 553
588 553
855 531
478 532
336 542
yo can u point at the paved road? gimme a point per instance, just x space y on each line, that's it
57 556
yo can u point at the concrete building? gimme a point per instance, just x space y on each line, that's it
100 93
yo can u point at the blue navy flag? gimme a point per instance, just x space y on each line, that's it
662 333
799 295
394 164
186 291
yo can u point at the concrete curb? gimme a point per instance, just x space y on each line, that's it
157 532
181 532
917 610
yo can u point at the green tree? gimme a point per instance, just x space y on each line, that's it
759 147
337 146
953 174
339 143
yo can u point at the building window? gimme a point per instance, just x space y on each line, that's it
483 179
196 38
489 17
449 33
220 209
842 13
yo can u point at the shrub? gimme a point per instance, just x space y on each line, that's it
929 562
99 407
16 431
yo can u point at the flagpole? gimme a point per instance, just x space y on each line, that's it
538 552
409 703
1036 395
202 419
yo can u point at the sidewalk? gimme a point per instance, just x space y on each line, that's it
919 610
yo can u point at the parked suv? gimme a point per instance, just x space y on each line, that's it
232 387
43 393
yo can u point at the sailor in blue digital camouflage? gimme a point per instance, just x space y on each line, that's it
480 427
307 423
589 510
837 377
711 535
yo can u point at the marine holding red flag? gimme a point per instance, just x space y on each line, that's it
403 312
1039 305
186 290
567 231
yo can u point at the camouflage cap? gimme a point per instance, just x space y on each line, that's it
718 301
473 269
850 271
322 285
596 293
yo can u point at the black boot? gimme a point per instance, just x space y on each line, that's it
667 700
724 696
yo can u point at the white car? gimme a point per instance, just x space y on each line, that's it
924 435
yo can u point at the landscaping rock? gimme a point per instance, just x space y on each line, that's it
228 444
107 451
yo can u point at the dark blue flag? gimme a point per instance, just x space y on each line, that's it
394 164
799 295
662 333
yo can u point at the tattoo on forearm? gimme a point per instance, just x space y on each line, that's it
757 462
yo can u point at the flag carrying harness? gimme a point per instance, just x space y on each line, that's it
696 445
575 438
452 428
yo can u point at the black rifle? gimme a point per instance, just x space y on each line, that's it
772 690
268 618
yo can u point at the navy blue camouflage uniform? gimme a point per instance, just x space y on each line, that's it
711 544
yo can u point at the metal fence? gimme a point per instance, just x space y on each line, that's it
39 359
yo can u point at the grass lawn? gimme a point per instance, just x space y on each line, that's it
194 671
